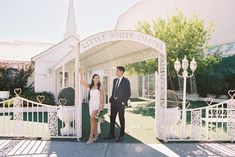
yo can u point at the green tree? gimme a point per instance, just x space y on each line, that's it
11 78
183 36
217 78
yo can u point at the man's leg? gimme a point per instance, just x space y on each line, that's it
112 120
122 120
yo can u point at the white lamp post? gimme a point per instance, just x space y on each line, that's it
184 75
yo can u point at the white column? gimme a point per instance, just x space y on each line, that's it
86 78
143 86
109 88
157 101
148 86
63 77
78 102
69 78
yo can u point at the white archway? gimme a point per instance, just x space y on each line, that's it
112 48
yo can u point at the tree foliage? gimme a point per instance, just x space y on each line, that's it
11 78
183 36
217 78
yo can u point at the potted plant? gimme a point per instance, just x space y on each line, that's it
66 113
172 112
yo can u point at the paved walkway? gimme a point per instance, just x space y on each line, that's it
36 148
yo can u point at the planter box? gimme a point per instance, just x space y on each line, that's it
4 94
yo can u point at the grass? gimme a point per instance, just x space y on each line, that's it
144 109
194 104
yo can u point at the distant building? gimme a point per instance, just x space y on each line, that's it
18 54
15 54
220 12
225 50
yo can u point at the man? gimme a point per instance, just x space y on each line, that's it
120 95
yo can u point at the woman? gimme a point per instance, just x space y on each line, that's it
96 103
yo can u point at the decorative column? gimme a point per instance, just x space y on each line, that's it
231 115
161 99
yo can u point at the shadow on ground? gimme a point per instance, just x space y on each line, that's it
104 129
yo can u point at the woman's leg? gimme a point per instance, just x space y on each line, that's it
91 136
93 124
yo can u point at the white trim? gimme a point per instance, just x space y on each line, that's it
60 44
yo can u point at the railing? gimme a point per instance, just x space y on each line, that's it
211 123
20 117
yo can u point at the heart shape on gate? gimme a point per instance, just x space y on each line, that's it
62 101
231 93
40 98
209 101
17 91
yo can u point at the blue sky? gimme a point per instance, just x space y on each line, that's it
45 20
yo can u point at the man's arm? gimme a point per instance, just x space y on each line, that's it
127 92
111 98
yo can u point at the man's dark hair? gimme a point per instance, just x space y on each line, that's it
121 68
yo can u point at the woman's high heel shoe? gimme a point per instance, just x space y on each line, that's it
90 141
96 136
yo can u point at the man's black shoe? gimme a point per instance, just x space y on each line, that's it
119 139
110 137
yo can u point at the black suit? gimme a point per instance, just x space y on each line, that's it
118 103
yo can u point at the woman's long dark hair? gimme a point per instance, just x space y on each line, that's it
92 85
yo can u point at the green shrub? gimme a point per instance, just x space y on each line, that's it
217 78
68 94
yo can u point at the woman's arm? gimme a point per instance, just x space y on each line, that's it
101 99
85 84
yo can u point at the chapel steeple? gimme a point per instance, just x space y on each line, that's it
71 28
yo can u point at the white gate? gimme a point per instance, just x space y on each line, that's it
20 117
211 123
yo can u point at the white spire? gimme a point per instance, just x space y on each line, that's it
71 29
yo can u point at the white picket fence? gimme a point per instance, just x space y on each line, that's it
20 117
215 122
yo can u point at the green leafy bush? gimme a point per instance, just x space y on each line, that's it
68 94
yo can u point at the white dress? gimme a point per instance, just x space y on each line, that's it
94 104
